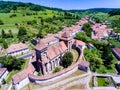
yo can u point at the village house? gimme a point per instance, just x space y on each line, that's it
21 79
100 31
116 52
3 74
17 49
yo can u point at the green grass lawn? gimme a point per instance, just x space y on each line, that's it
75 56
103 82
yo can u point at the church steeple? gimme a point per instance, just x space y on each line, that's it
67 39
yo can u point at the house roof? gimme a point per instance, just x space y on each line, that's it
56 50
17 78
65 35
84 63
2 70
40 45
117 51
52 52
16 47
49 38
75 41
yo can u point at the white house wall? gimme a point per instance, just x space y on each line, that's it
21 84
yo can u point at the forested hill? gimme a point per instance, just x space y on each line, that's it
114 12
104 10
7 6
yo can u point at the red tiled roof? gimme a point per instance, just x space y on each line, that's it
84 63
75 41
23 74
52 52
40 45
16 47
49 38
117 51
66 34
2 70
56 49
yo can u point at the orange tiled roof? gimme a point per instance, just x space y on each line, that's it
41 45
2 70
16 47
23 74
56 50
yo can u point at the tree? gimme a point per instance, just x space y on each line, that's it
40 33
87 29
81 36
5 45
10 33
14 8
94 57
22 33
107 56
1 22
12 63
3 34
67 59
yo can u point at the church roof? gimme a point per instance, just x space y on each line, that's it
40 45
66 34
55 50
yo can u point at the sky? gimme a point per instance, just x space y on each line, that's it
75 4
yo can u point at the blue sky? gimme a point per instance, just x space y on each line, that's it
75 4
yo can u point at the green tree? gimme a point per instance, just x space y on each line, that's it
67 59
94 57
22 33
12 63
107 56
3 34
81 36
40 33
5 45
87 29
1 22
10 33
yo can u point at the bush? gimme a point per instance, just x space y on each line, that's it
3 81
57 69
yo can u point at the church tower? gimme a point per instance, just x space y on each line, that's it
67 39
41 54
